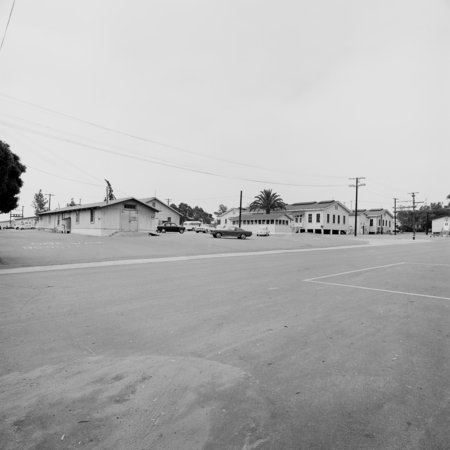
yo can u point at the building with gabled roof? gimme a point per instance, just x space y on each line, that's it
165 212
324 217
101 218
381 221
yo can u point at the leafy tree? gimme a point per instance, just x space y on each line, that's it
267 200
423 216
189 213
39 202
222 209
11 170
110 195
72 203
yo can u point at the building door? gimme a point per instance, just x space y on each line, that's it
129 220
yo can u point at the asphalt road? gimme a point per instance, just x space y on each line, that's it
277 351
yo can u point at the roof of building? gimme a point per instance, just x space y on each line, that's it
151 199
229 210
95 205
306 206
375 212
360 211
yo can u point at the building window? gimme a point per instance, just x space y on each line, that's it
226 220
58 219
272 222
309 218
77 216
336 207
92 216
328 218
334 218
169 219
129 206
389 224
343 220
339 218
153 204
371 222
317 218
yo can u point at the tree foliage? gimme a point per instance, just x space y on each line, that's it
267 201
110 194
423 216
11 170
222 209
39 202
195 213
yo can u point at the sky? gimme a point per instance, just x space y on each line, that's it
196 101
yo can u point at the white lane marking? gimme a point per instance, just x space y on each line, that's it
378 290
167 259
354 271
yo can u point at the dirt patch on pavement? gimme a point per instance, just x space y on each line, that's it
135 403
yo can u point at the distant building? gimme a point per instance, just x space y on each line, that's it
24 223
223 219
276 221
101 219
165 212
441 225
372 221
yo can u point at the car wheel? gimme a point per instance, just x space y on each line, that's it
218 235
197 232
214 236
163 230
243 236
181 231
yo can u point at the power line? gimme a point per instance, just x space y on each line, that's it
206 172
157 142
7 25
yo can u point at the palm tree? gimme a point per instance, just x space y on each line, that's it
268 201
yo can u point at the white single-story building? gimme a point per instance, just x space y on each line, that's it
223 219
24 223
324 217
165 212
441 225
276 221
102 218
381 221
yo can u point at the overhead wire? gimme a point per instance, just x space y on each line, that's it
7 24
179 166
162 143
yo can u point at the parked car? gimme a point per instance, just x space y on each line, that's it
192 225
231 232
170 227
205 228
263 231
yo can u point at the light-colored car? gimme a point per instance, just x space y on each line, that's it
205 228
263 231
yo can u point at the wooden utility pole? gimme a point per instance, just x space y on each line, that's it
168 201
240 210
50 201
357 185
395 216
413 194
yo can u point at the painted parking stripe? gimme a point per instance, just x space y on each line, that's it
378 290
354 271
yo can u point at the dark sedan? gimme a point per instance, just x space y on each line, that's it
231 232
167 227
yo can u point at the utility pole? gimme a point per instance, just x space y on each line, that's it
395 216
413 194
356 185
168 201
50 201
240 210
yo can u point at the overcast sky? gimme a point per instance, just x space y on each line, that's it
198 100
